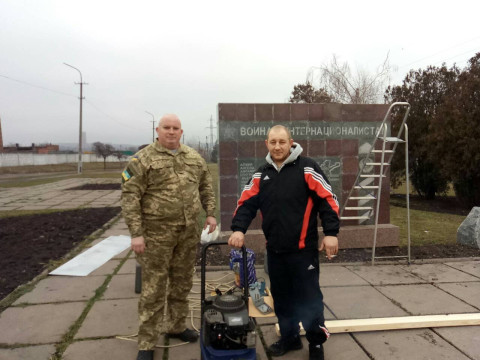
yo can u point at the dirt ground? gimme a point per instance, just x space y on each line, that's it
112 186
28 243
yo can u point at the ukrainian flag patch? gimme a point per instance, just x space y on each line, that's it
126 175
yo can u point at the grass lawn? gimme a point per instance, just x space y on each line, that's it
426 228
431 221
56 168
46 174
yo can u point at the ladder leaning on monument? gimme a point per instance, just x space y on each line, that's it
365 194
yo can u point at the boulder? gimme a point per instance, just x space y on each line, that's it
468 232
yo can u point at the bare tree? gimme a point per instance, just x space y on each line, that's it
347 87
103 150
120 156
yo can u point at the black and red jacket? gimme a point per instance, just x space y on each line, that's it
289 201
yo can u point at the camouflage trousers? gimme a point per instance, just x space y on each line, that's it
167 276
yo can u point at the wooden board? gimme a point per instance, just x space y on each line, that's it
397 323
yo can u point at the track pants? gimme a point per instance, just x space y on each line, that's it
294 279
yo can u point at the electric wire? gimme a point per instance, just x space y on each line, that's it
36 86
70 95
439 52
110 117
194 305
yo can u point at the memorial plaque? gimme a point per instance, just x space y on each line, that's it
246 168
300 130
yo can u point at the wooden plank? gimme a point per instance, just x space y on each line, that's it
398 323
404 322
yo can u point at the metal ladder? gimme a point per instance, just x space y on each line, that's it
365 194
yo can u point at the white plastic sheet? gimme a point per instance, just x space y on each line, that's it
86 262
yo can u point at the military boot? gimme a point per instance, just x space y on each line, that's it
186 335
145 355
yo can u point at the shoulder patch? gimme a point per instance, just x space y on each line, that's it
126 175
135 158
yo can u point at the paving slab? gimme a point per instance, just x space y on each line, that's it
359 302
438 273
62 206
343 347
270 336
97 205
129 267
106 268
106 349
9 207
62 288
413 344
185 351
39 352
338 346
470 267
32 207
335 275
466 338
38 324
467 291
384 274
123 254
121 287
110 318
425 299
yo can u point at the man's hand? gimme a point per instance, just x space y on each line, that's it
237 239
330 244
211 222
138 245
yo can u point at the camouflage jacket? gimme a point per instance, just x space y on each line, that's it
160 186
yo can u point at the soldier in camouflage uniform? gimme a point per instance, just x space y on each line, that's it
164 187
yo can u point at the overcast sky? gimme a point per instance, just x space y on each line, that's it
185 57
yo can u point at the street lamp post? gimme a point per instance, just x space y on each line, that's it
80 131
153 125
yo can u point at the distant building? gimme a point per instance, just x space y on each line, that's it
47 149
35 149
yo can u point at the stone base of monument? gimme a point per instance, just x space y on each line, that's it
358 236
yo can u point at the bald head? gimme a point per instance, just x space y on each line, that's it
279 128
169 131
171 117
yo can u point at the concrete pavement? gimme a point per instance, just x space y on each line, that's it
57 195
82 317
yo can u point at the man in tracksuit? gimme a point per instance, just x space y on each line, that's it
290 190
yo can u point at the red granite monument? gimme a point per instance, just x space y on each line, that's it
337 136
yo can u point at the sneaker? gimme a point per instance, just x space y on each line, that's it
284 345
145 355
315 352
187 335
